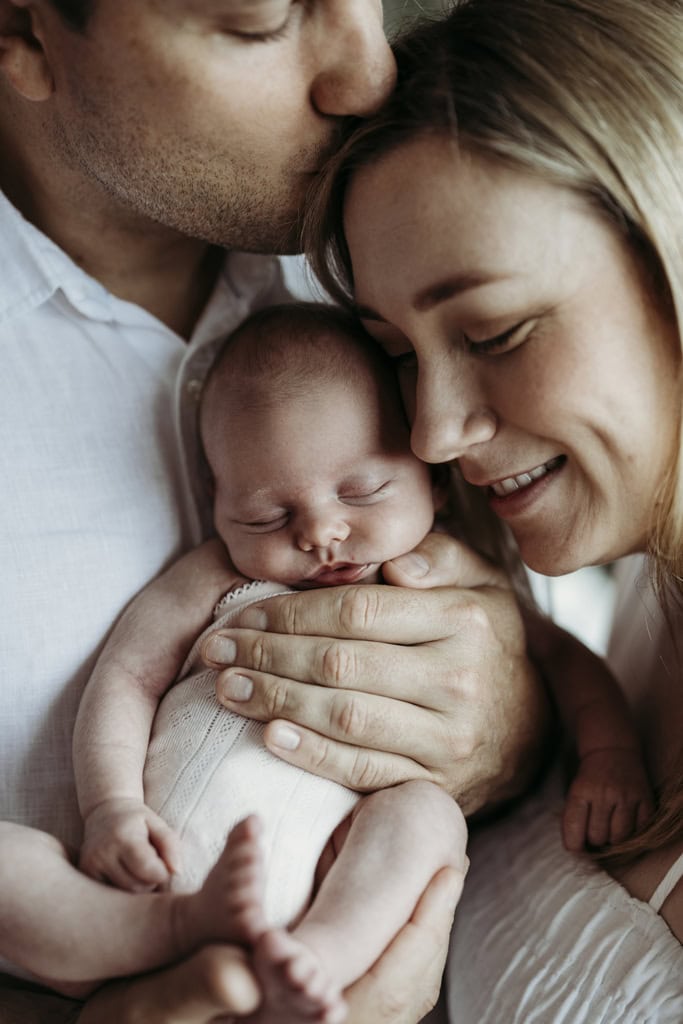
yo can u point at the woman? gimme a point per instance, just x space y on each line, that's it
510 227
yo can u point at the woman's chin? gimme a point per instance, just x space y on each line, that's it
550 559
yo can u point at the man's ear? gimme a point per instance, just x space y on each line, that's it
23 61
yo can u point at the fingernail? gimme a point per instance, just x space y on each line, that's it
283 736
220 649
237 688
412 565
253 618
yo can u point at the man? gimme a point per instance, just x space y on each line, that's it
139 139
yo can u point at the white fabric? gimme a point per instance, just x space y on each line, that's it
542 936
646 654
97 452
667 884
545 937
207 769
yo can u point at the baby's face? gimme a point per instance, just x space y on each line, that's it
318 490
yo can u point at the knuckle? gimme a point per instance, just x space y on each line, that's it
364 774
275 700
288 617
337 663
466 685
321 757
477 618
348 716
358 609
260 654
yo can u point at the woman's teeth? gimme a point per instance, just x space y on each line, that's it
515 483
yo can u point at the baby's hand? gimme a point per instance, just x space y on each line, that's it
609 800
129 846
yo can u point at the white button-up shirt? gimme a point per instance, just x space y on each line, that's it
97 485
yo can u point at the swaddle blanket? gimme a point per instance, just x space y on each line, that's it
207 769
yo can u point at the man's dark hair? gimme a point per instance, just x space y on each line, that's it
75 12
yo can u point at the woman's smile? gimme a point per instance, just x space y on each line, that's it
527 342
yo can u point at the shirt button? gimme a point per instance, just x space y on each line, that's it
194 388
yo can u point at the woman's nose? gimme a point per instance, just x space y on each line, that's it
450 415
358 70
320 531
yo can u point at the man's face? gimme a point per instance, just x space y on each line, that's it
211 116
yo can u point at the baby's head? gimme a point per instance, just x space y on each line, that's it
305 435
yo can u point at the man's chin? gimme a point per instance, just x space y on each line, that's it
266 240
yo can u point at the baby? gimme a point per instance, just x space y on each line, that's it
314 485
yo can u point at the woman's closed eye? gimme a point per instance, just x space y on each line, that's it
501 343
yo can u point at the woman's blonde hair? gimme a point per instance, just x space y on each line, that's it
585 93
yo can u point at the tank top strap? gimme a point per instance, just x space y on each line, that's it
667 884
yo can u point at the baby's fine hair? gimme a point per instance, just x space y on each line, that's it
585 94
281 351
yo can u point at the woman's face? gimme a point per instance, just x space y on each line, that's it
529 342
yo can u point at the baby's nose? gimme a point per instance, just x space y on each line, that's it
321 532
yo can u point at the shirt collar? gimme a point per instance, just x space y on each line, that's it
37 268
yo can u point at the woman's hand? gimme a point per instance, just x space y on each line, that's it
375 685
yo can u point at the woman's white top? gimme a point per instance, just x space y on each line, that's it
543 936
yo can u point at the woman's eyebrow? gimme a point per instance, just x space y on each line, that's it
452 286
441 291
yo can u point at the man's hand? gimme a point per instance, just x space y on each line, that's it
375 685
214 984
404 984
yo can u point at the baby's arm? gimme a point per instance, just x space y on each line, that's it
610 797
125 843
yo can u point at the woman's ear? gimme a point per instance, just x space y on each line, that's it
23 60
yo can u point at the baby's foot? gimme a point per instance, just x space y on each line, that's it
294 986
229 906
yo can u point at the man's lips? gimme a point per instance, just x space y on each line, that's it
337 574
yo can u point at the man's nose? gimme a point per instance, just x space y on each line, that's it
358 70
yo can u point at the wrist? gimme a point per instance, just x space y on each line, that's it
115 803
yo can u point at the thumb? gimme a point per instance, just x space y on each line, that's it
442 561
